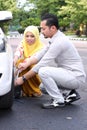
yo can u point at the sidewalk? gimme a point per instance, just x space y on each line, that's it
80 44
74 37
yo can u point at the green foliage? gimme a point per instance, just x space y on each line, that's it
21 30
74 11
30 21
51 6
7 5
68 11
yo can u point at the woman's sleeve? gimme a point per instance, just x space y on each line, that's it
19 50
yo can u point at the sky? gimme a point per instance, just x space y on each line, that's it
22 2
27 7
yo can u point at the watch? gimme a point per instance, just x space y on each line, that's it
23 78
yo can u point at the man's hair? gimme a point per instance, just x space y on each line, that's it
51 20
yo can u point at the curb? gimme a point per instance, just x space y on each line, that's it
74 37
79 39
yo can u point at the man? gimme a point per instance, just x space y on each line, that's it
66 73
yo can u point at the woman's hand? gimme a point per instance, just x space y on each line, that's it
15 60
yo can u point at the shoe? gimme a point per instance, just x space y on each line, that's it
53 104
71 97
17 92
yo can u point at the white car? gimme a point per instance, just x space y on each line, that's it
13 34
6 66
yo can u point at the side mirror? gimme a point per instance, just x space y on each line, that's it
5 16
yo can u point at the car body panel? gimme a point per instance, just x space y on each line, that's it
6 66
5 15
6 70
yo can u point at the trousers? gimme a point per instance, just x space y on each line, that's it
55 79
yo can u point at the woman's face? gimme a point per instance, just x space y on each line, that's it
30 38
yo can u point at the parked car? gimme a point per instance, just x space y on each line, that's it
13 34
6 66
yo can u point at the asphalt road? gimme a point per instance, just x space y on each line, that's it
27 114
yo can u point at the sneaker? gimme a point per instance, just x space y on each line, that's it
17 92
53 104
72 96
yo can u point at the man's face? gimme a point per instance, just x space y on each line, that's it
45 30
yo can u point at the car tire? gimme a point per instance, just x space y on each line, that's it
6 101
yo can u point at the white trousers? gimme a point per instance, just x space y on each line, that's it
55 79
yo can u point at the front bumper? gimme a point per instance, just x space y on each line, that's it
6 70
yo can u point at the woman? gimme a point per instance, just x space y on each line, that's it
28 47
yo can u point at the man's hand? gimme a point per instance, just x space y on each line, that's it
22 66
18 81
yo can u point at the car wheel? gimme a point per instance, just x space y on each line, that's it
6 101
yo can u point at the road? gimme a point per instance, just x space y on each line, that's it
27 114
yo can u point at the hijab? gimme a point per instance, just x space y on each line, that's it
29 50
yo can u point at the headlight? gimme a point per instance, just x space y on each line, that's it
2 45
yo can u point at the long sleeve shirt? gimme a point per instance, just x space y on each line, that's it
64 54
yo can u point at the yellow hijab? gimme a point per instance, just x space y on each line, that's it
29 50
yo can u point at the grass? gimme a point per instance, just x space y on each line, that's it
73 32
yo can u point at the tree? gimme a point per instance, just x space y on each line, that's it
68 11
74 11
7 5
51 6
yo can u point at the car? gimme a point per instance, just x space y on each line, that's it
1 33
13 34
6 66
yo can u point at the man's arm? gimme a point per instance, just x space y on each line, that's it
28 75
27 62
34 59
31 73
